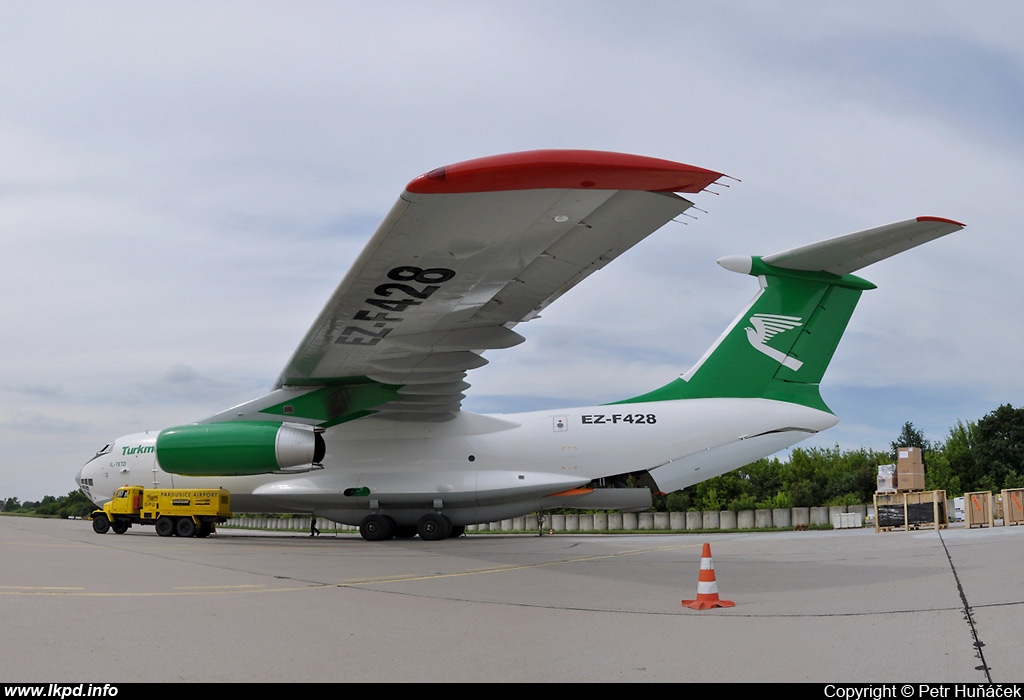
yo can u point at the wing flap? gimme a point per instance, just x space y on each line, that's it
475 338
430 362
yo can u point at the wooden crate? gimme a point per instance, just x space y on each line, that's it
910 511
979 510
1013 506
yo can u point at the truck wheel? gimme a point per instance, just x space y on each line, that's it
185 527
204 529
100 525
164 526
120 526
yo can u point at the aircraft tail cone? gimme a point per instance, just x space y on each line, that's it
707 587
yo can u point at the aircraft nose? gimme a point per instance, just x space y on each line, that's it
84 479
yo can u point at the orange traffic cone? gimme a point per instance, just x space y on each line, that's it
707 587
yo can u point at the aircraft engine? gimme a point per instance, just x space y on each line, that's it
239 449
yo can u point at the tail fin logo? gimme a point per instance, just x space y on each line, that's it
767 326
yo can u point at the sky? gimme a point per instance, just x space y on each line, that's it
183 184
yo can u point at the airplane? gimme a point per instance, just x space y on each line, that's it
365 425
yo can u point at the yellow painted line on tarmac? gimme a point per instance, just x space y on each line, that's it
261 588
156 594
36 545
513 567
218 588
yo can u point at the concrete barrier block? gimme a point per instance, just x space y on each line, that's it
694 520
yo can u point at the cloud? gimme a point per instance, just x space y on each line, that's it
186 184
49 391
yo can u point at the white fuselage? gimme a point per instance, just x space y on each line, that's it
479 468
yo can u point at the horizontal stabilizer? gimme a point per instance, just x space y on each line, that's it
846 254
779 347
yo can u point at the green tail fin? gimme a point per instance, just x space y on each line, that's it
780 346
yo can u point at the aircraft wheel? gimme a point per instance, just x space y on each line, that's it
164 526
120 526
405 531
376 528
457 531
185 527
100 525
433 527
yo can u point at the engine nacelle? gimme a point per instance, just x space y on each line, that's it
239 449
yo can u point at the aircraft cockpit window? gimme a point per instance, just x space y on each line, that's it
103 450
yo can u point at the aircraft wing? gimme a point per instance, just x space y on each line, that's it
469 251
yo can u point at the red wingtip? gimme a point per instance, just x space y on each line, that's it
941 220
564 169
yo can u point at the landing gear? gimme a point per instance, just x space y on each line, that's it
433 527
376 528
100 525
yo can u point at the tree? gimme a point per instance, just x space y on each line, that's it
832 477
48 506
909 437
998 449
951 463
75 505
